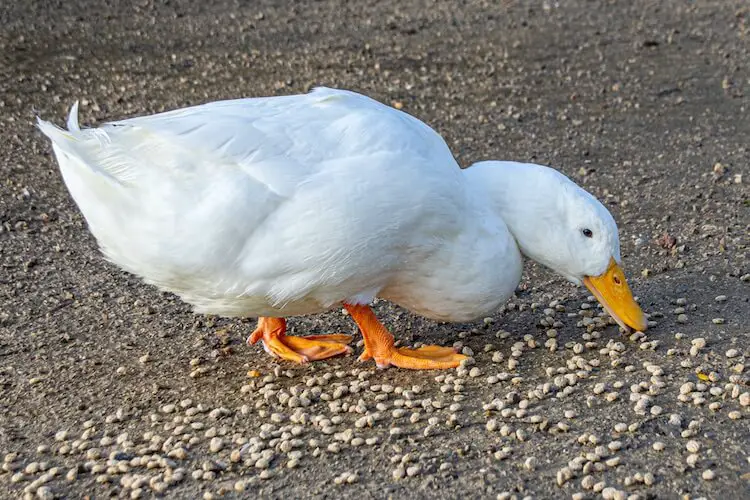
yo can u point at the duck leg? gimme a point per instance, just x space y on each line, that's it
272 332
379 344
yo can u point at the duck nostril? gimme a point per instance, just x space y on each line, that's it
617 280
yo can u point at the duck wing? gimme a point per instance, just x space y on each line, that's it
278 197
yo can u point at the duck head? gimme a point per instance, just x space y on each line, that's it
558 224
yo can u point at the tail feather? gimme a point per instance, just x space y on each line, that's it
73 118
85 148
59 136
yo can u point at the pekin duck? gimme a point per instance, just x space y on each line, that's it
282 206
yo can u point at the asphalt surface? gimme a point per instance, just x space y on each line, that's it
645 104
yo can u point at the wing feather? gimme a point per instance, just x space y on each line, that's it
212 201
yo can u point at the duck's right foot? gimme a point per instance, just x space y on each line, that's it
272 332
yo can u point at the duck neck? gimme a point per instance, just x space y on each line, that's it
526 197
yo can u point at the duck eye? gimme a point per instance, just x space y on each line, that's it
587 233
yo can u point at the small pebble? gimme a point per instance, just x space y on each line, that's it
45 492
399 472
693 446
216 445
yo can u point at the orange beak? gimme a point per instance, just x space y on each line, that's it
613 292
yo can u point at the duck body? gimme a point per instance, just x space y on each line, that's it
291 205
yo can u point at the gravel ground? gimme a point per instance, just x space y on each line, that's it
112 388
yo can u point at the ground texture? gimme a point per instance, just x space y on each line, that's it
111 388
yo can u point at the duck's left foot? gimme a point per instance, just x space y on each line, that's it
272 332
429 357
379 344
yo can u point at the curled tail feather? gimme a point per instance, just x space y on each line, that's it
59 135
73 118
90 148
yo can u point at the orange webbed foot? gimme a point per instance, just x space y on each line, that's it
379 344
272 332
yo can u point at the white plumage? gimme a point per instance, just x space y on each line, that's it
287 205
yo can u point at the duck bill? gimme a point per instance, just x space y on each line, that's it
613 292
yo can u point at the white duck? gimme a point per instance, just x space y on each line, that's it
284 206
